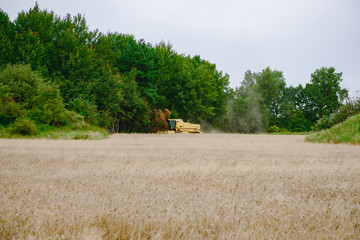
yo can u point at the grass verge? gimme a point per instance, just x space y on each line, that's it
67 132
289 133
345 132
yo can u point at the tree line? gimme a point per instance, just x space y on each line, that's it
117 82
264 101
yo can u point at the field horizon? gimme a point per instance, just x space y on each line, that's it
183 186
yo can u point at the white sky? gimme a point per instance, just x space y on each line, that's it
293 36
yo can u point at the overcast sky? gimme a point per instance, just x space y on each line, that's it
293 36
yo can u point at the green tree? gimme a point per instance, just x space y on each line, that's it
291 102
249 79
271 84
114 78
75 68
298 122
144 58
244 112
192 87
34 34
323 94
6 39
133 114
108 93
88 110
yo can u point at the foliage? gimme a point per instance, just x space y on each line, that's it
270 84
6 33
345 132
9 112
351 108
298 122
97 74
9 109
23 83
24 126
295 109
244 113
256 103
22 111
323 95
72 132
275 129
86 109
134 113
117 82
49 108
75 132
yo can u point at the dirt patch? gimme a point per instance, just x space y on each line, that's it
225 186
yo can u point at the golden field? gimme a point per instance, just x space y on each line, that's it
208 186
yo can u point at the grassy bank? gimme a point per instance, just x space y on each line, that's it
345 132
289 133
68 132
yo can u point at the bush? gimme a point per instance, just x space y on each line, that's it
49 108
74 118
24 126
346 111
324 123
23 83
273 129
9 109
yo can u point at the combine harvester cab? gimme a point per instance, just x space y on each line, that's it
179 126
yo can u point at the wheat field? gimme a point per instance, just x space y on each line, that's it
208 186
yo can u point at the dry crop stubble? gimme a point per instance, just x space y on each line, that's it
207 186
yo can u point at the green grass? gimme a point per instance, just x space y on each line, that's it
289 133
345 132
68 132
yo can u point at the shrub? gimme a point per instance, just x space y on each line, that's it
23 83
24 126
273 129
324 123
9 109
346 111
74 118
49 108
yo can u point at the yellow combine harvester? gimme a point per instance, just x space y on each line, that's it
179 126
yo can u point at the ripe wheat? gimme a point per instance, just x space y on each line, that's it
209 186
